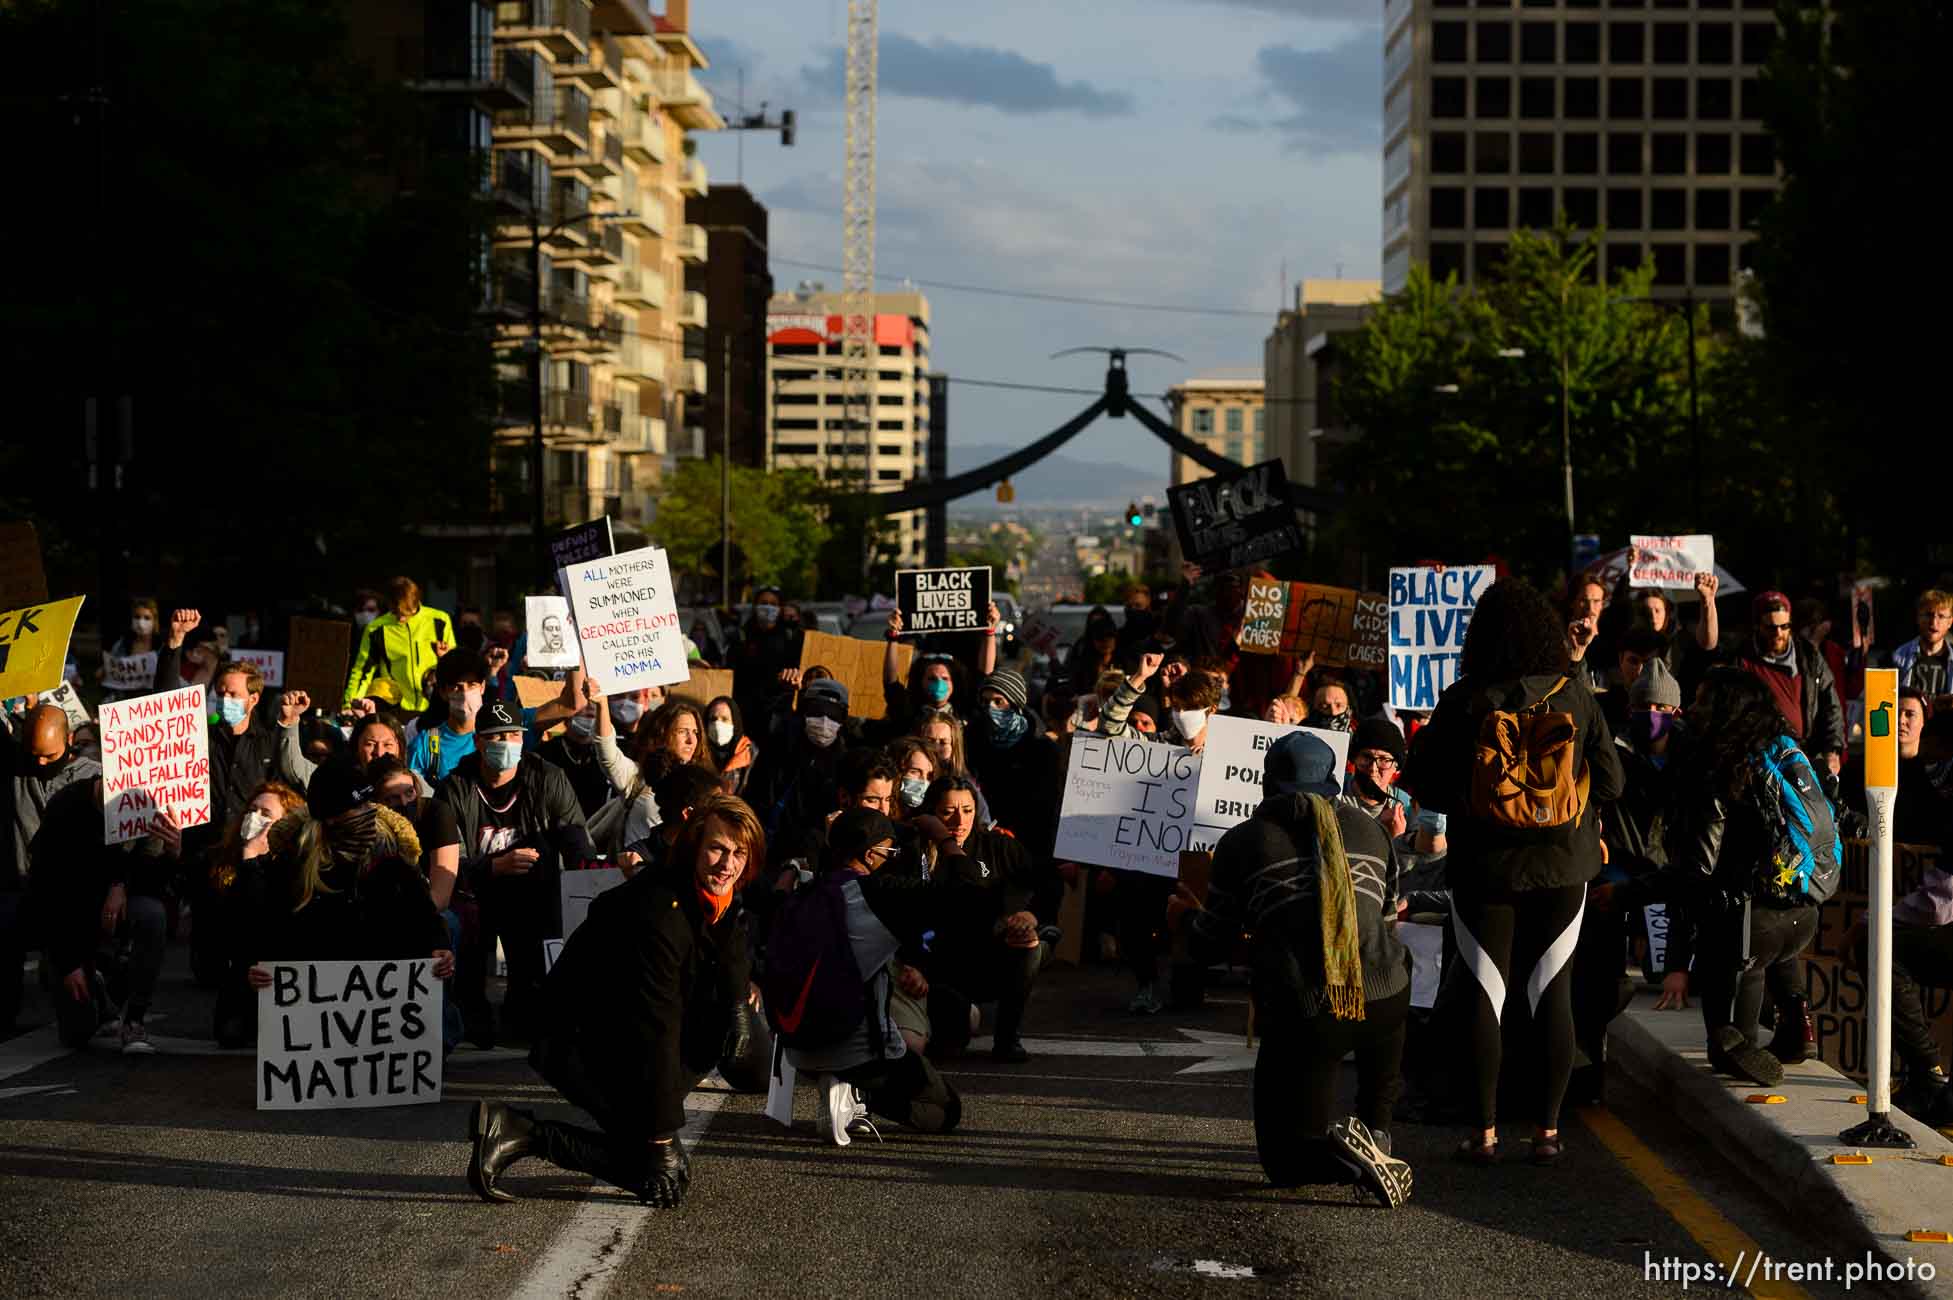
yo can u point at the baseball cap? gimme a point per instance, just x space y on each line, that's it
497 716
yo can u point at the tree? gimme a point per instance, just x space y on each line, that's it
779 526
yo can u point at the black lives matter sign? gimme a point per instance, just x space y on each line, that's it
1232 520
334 1035
943 600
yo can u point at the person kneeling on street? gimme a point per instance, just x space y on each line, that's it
637 1010
1315 881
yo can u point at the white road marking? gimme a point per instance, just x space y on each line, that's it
22 1053
1217 1053
8 1094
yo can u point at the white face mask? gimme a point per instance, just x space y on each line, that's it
464 704
584 727
143 626
822 731
365 616
720 730
1188 722
624 712
254 824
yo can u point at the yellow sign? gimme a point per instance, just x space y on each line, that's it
34 646
1881 729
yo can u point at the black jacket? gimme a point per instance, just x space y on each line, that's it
1823 730
644 993
240 764
547 815
1002 878
1022 784
72 871
1490 856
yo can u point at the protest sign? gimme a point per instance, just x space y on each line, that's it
534 692
550 645
857 665
1235 519
1040 633
155 760
65 698
316 661
1426 944
1340 627
270 664
346 1035
1230 772
1128 803
705 686
22 579
129 672
1429 611
627 621
552 949
34 646
943 600
579 887
591 541
1661 560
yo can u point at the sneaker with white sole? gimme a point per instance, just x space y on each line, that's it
843 1113
1381 1174
135 1039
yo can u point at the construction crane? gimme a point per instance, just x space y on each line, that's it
858 352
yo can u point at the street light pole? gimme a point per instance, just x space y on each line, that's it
1695 422
1566 439
725 478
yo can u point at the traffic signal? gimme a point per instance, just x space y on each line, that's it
1006 493
786 128
1133 517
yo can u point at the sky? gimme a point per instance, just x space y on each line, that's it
1134 150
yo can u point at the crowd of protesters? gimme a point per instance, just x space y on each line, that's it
428 810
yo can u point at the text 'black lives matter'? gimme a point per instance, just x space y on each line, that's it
1233 520
943 600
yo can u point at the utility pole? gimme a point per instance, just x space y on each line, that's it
858 345
725 477
1566 435
541 550
1695 420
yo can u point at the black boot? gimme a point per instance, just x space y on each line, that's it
501 1136
587 1151
1005 1044
1796 1038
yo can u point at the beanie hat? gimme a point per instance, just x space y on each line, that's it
336 788
1299 763
1010 685
830 691
1655 687
1378 733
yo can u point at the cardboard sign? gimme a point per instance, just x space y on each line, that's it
1669 560
1230 772
550 642
65 698
627 621
129 672
579 887
857 665
1340 627
347 1035
534 692
316 662
1429 611
1040 633
155 760
269 663
23 580
34 646
943 600
1881 729
1128 803
707 685
1232 520
591 541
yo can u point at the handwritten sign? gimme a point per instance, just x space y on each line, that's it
943 600
34 646
591 541
856 664
1340 627
1040 633
129 672
550 643
155 760
347 1035
1429 611
23 580
627 621
316 661
1670 560
579 888
65 698
704 686
1231 520
1128 803
269 663
1230 772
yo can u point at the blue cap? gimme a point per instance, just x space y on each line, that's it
1299 763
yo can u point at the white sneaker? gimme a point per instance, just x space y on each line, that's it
1377 1172
842 1113
135 1039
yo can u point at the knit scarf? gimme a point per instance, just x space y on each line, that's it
1342 957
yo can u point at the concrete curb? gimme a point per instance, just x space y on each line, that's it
1786 1149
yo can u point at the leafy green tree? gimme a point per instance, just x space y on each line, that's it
779 526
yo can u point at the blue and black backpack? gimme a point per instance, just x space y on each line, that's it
1805 851
812 985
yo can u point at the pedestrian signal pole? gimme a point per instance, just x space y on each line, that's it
1881 794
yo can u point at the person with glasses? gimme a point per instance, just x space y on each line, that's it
1799 681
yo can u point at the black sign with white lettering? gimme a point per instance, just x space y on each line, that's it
591 541
943 600
1232 520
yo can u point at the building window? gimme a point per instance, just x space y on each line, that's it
1623 209
1582 96
1536 98
1714 43
1448 97
1668 209
1715 99
1491 208
1494 96
1624 99
1447 259
797 424
1233 451
1233 421
1261 423
1759 155
1712 266
1582 205
892 426
1494 42
1580 153
1536 208
1671 43
1671 264
1448 42
888 475
1539 43
1623 153
1625 42
796 448
1622 258
1752 100
1203 421
1583 42
1448 152
1712 210
1669 154
1671 99
1494 153
1750 206
1712 155
1487 259
1447 207
1757 40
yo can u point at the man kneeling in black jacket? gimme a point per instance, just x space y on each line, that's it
636 1012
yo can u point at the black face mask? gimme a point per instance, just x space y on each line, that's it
47 771
1370 789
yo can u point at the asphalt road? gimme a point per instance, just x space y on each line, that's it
1118 1162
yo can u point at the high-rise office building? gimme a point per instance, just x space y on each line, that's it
1644 121
807 422
737 283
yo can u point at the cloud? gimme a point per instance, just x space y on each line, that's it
980 75
1336 95
1367 12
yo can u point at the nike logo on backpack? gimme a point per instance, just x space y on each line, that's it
790 1020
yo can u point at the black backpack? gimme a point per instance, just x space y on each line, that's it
812 985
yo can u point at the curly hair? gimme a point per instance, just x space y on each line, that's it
1735 721
1515 632
655 732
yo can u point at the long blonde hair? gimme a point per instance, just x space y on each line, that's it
308 842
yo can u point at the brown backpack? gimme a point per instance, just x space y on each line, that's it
1527 772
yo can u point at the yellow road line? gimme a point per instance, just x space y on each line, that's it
1725 1243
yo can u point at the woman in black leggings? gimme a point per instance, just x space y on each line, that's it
1517 895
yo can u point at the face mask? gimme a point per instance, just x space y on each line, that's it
766 615
583 727
822 731
253 825
463 705
720 729
1008 726
1189 722
625 712
365 616
913 788
501 755
1327 721
143 626
1369 789
233 710
937 689
48 771
1648 725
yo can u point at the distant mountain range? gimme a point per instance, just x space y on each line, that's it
1060 480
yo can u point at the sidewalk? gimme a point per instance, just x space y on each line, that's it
1787 1148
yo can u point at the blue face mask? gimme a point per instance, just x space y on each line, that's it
233 710
501 755
1008 726
937 689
